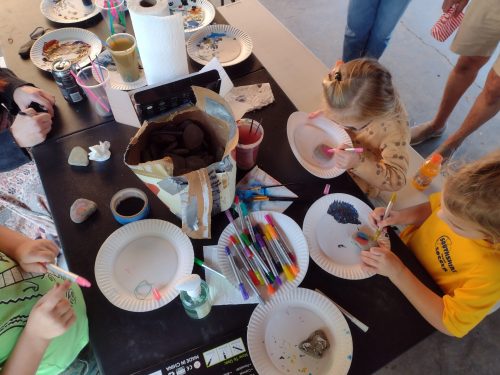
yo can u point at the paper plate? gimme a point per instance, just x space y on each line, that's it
295 239
277 328
331 242
140 256
117 83
67 11
230 45
68 34
197 18
306 137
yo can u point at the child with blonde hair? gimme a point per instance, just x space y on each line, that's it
456 237
360 97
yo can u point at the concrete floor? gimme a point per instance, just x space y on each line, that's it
420 66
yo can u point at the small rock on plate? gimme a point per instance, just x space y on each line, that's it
315 345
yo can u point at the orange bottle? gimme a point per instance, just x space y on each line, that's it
427 172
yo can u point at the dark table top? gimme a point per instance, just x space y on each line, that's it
124 341
19 18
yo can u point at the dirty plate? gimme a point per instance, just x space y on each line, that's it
139 257
67 11
277 328
307 136
196 17
230 45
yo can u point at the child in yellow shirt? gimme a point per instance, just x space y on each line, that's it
360 97
456 237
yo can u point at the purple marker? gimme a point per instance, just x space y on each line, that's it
241 287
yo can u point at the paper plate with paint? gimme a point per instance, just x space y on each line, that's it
228 44
295 240
279 329
138 265
334 227
309 139
67 11
197 13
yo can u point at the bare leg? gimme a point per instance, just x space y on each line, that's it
485 107
461 77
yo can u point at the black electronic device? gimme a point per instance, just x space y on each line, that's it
153 101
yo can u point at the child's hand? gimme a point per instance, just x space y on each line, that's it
32 254
346 159
377 214
315 114
382 261
52 315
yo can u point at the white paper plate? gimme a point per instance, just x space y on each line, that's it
295 239
118 83
207 15
306 135
67 34
276 328
234 48
67 11
140 256
331 243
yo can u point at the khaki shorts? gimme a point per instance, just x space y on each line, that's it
479 33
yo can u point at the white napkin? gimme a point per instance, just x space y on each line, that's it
100 152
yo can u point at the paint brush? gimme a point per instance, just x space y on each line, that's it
357 150
271 186
387 212
251 127
73 277
271 198
202 264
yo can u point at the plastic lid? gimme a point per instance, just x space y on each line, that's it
191 284
436 158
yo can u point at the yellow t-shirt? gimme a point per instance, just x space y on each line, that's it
466 270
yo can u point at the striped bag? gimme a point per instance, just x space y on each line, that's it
446 24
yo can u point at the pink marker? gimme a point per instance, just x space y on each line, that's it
357 150
73 277
156 294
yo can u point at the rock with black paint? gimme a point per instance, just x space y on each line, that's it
315 345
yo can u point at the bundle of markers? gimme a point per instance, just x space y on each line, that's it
263 253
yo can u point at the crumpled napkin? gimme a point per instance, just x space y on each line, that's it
254 96
100 152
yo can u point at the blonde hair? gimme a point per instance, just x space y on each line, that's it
473 194
362 87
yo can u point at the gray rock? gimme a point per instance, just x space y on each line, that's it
81 209
79 157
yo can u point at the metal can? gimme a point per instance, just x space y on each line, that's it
61 71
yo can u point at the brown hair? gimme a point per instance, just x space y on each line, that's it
473 194
3 84
362 88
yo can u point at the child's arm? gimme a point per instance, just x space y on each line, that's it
414 215
383 261
51 316
29 254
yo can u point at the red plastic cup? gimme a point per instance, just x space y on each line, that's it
250 137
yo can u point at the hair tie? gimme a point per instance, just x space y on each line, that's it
337 76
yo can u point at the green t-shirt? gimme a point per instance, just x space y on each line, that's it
19 291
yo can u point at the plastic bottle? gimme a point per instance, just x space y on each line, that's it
195 296
427 172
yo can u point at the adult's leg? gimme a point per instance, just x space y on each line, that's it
360 18
388 14
485 107
459 80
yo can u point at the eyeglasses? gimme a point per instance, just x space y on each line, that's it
37 33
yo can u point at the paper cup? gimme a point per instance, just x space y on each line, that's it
250 137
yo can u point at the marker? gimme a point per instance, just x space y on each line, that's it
280 236
202 264
73 277
388 209
241 287
252 286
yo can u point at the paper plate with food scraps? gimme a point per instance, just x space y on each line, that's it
68 11
337 229
228 44
309 139
294 240
139 264
70 43
197 13
301 332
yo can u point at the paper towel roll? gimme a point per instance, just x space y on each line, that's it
160 39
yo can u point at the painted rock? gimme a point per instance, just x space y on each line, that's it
81 209
192 136
78 156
